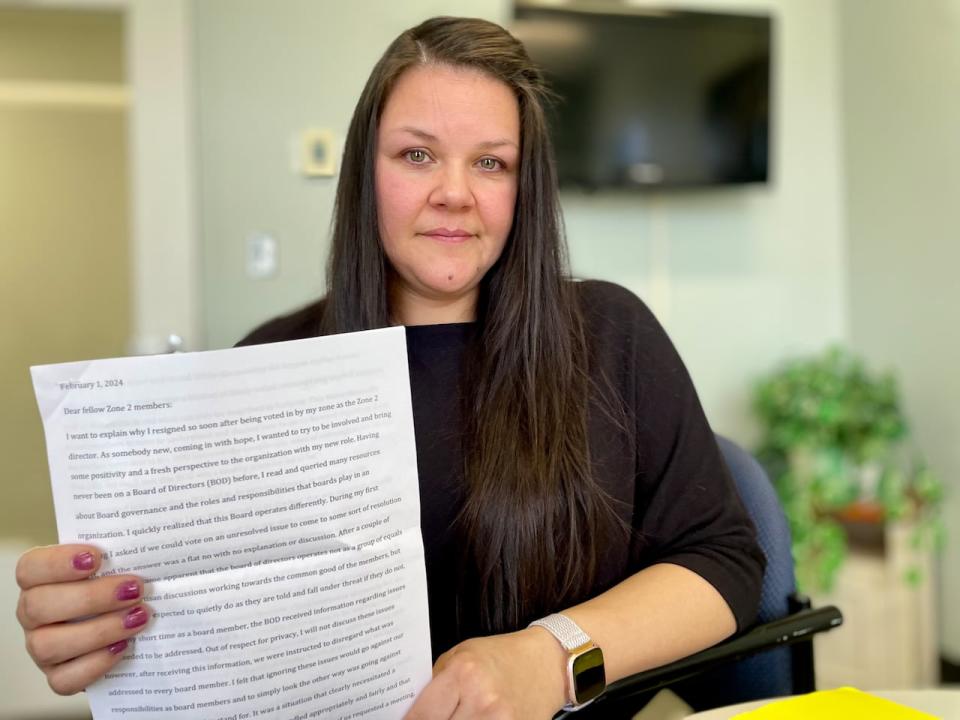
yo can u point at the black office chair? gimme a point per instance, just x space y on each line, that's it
773 658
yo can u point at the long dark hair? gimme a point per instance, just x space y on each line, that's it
534 519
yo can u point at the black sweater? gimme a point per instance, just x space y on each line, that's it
664 468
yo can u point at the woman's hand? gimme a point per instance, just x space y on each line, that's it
55 589
517 676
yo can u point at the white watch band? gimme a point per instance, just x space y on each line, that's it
565 630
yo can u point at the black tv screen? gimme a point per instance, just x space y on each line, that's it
659 99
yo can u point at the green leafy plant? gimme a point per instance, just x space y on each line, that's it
835 445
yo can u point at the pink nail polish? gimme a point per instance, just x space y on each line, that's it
128 591
135 618
117 647
83 561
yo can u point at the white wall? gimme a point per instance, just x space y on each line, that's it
901 83
265 71
742 277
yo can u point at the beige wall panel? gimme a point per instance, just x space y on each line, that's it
80 46
901 64
63 277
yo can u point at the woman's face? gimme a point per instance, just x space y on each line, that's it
448 146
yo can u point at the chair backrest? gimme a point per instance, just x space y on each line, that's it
737 670
770 673
773 531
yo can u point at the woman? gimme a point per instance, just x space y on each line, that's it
565 464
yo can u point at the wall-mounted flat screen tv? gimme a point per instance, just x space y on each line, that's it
653 99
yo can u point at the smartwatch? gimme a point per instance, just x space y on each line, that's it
585 675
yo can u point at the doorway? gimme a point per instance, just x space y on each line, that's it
64 226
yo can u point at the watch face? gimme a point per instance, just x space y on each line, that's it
589 680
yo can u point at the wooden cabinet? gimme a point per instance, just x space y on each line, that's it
889 637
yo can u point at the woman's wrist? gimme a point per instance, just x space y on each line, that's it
551 658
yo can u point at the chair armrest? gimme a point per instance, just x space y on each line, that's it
795 628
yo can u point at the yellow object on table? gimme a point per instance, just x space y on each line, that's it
841 704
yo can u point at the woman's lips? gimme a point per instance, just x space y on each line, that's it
448 234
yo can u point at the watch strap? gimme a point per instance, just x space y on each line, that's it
578 645
565 630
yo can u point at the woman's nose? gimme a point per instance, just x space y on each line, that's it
453 189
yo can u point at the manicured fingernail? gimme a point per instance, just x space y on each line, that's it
117 647
128 591
83 561
135 618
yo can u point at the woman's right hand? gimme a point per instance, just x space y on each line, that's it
55 591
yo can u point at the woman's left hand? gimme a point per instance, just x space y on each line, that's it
516 676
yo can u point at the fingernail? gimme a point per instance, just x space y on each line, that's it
117 647
83 561
128 591
135 618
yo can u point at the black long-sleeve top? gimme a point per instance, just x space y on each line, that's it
664 468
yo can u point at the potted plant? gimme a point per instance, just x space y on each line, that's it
835 444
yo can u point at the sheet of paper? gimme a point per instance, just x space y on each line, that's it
269 496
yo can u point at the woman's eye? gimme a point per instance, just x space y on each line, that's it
489 163
417 157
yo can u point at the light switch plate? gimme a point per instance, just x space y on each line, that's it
262 256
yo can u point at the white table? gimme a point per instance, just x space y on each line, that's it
942 702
